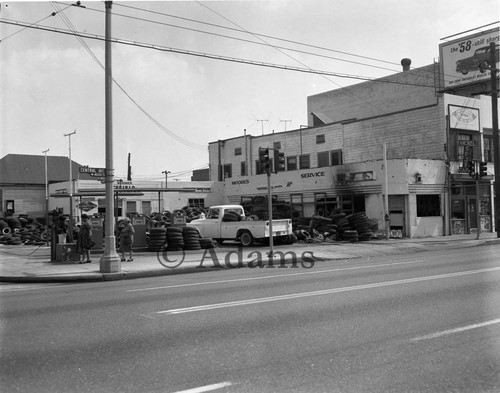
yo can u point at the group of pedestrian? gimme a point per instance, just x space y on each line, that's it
85 240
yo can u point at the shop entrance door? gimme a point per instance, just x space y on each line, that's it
471 213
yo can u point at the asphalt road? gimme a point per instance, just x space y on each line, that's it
426 322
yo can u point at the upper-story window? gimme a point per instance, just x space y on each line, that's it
291 163
237 151
277 145
323 159
320 138
304 161
488 146
336 156
228 171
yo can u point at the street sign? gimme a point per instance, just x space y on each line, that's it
93 171
87 205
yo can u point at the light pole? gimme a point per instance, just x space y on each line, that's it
166 182
110 261
166 177
70 229
46 193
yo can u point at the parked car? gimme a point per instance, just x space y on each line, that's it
481 55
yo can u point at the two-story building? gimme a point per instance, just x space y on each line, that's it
396 148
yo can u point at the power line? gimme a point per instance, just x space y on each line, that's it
256 34
205 55
149 116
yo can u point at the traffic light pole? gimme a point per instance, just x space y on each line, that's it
270 214
496 142
478 207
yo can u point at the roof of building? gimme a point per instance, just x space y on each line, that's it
30 169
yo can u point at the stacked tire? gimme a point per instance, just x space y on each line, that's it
175 239
191 238
157 239
350 235
4 227
206 242
360 223
342 223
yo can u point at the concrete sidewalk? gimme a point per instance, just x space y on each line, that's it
31 264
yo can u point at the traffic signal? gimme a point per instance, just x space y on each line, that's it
471 168
279 161
483 168
264 159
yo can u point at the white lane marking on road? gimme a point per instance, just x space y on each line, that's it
273 276
456 330
323 292
207 388
23 288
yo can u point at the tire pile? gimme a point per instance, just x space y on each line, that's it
157 239
17 231
191 238
359 222
175 239
315 228
352 228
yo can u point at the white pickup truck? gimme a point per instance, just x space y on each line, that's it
244 230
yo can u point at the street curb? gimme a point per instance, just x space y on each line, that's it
159 272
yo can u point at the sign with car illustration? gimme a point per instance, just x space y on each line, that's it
460 59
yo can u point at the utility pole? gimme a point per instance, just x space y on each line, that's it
70 229
46 193
110 261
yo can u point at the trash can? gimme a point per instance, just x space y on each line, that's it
66 253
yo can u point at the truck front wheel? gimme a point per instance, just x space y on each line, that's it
246 239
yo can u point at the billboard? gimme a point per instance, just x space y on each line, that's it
460 58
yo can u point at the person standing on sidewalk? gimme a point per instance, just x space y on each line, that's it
85 241
127 239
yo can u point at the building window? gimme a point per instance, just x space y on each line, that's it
228 171
277 145
304 161
320 138
336 157
131 207
196 202
243 168
237 151
323 159
291 163
428 206
488 148
146 208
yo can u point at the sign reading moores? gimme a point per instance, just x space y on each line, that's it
460 58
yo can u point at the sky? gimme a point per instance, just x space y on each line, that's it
168 104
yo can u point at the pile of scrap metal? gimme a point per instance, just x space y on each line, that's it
22 230
339 227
